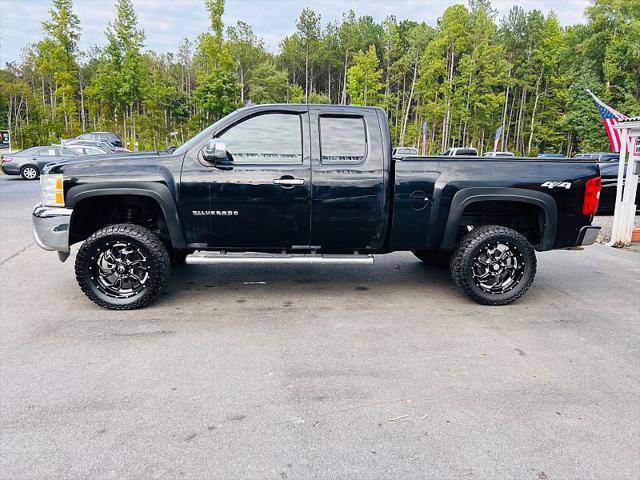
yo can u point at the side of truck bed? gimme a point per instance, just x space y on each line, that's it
435 198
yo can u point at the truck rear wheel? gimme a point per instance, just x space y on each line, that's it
122 267
433 259
493 265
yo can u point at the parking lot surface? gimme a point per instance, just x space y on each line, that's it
317 372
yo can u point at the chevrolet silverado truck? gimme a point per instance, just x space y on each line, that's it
309 184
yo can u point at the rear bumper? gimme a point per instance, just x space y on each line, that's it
51 227
587 235
10 169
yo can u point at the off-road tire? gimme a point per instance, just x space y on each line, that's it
471 244
158 264
433 259
25 172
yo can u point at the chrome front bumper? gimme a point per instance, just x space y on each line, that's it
51 228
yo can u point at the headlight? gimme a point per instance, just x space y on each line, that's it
51 190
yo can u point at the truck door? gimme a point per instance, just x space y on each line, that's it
349 200
260 198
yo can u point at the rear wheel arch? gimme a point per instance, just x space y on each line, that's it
467 210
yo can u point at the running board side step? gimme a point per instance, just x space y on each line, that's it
210 258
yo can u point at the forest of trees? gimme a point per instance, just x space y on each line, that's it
466 76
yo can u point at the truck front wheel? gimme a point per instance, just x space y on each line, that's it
493 265
122 267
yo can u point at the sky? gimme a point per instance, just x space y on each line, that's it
167 22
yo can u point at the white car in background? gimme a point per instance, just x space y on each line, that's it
400 152
498 154
461 152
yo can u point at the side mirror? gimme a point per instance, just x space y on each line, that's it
215 151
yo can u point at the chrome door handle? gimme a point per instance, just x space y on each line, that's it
288 182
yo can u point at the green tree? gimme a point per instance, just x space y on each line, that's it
309 33
58 59
117 91
268 84
247 50
365 79
217 95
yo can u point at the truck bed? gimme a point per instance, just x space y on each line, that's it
430 193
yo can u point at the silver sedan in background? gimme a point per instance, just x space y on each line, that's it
30 162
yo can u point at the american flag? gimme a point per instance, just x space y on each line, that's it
610 118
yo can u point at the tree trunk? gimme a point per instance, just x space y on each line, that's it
241 85
533 114
406 113
344 84
504 117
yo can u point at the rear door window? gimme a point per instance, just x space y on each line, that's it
342 140
48 152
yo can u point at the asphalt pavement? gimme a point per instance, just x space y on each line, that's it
299 372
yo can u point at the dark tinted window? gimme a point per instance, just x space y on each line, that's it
271 138
467 151
342 139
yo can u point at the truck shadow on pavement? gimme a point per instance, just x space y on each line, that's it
240 283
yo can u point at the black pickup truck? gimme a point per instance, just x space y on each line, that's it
309 184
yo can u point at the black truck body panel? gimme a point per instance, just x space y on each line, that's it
452 184
369 203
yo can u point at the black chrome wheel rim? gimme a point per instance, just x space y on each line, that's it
120 270
498 267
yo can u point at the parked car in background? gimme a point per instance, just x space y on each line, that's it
88 150
464 152
551 155
106 146
599 156
498 154
30 162
113 138
400 152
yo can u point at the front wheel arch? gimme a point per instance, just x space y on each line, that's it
157 192
94 212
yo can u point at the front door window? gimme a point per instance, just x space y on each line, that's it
271 138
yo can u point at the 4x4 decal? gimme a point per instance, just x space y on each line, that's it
550 185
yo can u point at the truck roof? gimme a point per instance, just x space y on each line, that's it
298 106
